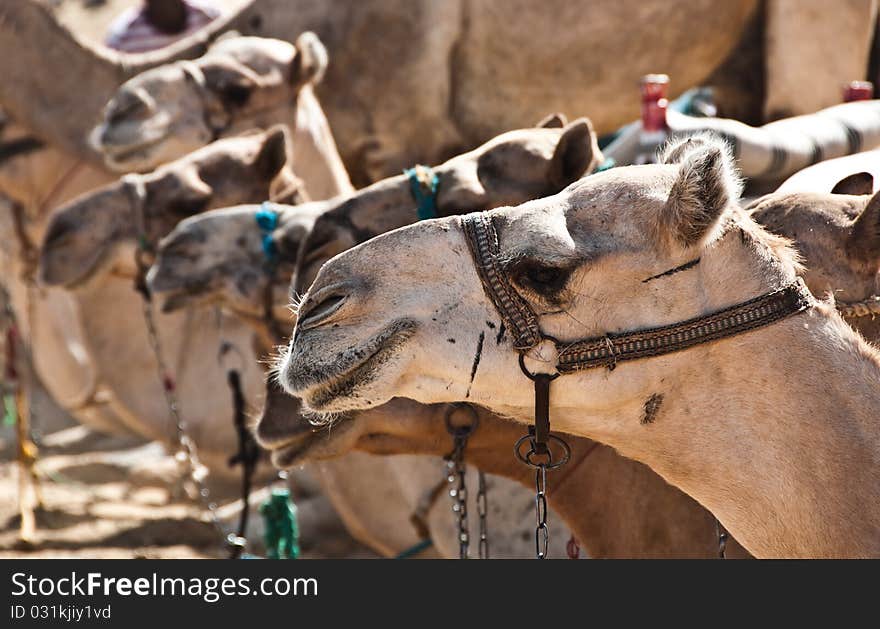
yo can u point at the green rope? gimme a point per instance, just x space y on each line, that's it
10 415
415 549
423 184
282 530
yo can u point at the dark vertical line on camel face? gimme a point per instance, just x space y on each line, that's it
476 364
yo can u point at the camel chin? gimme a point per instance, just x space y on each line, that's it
322 443
129 147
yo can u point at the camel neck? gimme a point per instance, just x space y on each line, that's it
774 431
315 156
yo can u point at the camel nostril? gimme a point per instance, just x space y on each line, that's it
316 312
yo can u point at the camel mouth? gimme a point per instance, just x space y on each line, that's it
175 292
324 386
178 298
319 444
172 302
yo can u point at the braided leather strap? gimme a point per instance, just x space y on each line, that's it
517 315
607 351
869 307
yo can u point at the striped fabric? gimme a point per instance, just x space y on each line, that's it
132 32
778 149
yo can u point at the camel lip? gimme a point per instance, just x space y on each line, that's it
315 445
176 294
178 300
117 155
359 370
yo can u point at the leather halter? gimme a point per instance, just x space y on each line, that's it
610 349
213 103
607 350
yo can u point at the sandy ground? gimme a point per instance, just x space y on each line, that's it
114 497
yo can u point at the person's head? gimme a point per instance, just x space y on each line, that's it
168 16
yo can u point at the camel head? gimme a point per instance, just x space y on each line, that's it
838 236
507 170
82 235
406 315
220 256
240 83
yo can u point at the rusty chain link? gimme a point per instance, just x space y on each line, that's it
455 476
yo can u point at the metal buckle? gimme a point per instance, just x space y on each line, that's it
527 457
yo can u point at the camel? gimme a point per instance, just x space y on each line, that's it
858 173
88 249
218 256
787 462
240 83
464 71
767 154
837 237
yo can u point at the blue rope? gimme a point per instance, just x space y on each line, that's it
267 221
607 164
415 549
423 184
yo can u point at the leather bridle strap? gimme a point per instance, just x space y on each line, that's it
213 104
610 349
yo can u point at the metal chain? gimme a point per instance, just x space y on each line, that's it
455 471
723 536
482 512
186 455
542 462
542 532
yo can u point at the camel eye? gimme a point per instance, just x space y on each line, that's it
236 95
541 278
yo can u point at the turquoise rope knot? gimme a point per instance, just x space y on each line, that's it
267 221
423 184
281 536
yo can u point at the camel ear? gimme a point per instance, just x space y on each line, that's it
553 121
273 153
858 184
310 61
677 148
707 184
576 154
864 241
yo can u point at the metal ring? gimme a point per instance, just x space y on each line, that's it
550 464
522 361
465 429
